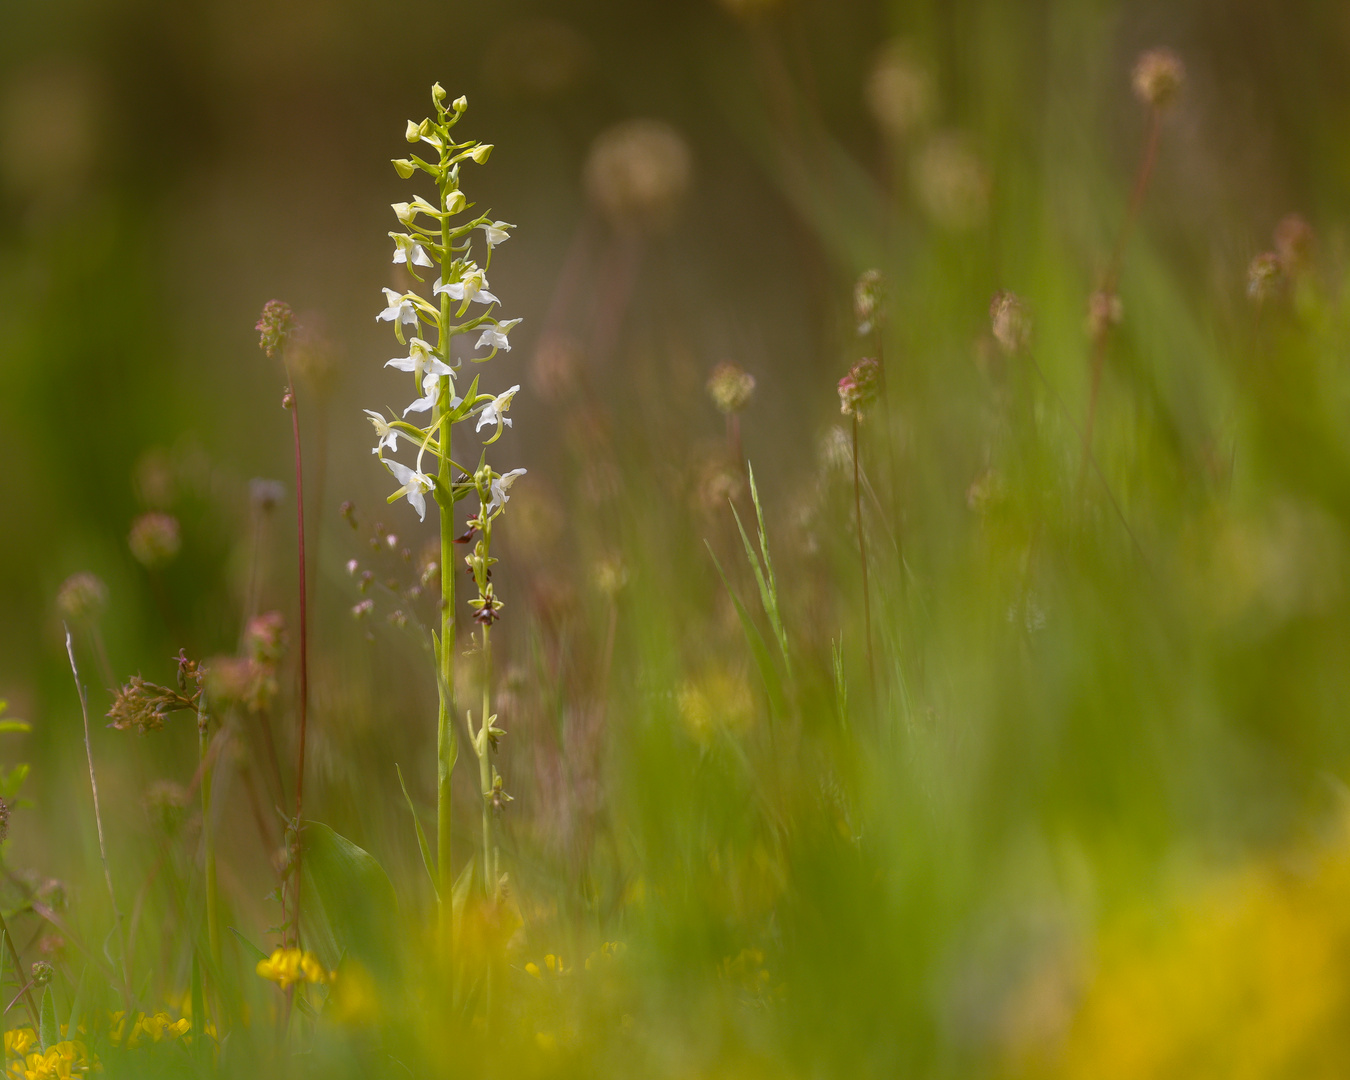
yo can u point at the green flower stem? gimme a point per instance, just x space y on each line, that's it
209 844
483 747
447 740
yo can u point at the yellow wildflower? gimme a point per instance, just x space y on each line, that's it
288 966
59 1062
19 1042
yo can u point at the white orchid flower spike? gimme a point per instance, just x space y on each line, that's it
388 435
495 336
500 487
415 485
494 412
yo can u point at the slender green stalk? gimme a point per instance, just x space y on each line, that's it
483 745
862 556
447 739
209 841
98 821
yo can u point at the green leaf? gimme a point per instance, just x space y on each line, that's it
459 894
15 726
347 902
421 836
49 1034
758 648
764 577
77 1005
253 950
10 784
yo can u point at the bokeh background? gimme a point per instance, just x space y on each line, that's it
1107 723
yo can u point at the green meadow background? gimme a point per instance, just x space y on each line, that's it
1082 814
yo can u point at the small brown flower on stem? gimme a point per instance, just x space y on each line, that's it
869 296
81 598
858 389
154 539
1294 241
1264 276
730 388
276 325
1010 321
1158 75
1104 311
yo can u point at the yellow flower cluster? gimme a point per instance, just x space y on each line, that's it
285 967
1243 977
155 1027
553 963
610 950
25 1061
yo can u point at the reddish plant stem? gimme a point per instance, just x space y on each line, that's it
303 700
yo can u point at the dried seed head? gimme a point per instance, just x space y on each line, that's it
638 173
869 295
1104 311
1294 243
266 495
1010 322
265 638
42 973
951 182
610 576
1158 75
138 705
276 324
860 387
154 539
4 820
1264 277
900 91
81 598
730 387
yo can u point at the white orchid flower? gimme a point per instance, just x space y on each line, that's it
388 435
500 486
407 211
431 390
494 412
496 232
420 360
415 485
473 286
400 308
495 336
409 251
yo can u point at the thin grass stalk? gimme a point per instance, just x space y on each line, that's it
208 839
862 557
302 702
27 992
98 821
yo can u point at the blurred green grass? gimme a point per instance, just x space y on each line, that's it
1085 711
